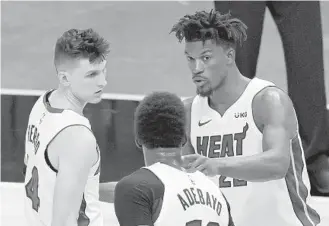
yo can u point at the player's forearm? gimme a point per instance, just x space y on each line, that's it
261 167
62 212
66 201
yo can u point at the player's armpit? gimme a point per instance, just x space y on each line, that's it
275 116
76 148
188 148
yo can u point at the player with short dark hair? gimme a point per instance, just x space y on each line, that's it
61 153
242 132
162 193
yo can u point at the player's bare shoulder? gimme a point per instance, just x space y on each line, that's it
74 142
273 106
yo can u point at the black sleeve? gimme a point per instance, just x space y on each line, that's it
230 221
136 198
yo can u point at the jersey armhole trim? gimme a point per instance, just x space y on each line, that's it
46 156
252 101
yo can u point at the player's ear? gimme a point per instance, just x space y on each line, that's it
138 144
230 54
63 77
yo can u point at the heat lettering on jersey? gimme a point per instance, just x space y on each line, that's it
33 137
218 146
195 196
223 143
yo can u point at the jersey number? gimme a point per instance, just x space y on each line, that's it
199 223
227 184
31 189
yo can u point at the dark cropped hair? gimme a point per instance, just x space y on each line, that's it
79 44
160 121
212 25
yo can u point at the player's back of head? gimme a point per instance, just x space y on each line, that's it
160 121
77 44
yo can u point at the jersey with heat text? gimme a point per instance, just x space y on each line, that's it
278 202
45 123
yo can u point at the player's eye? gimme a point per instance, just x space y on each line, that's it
92 74
189 58
206 58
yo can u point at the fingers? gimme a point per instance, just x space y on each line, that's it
190 158
198 162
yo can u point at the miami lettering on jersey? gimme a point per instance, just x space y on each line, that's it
195 196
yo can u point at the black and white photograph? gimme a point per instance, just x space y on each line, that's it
164 113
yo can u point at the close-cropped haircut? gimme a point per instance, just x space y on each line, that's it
160 121
77 44
213 25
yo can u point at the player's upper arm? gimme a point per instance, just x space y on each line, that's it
76 148
188 148
275 117
138 199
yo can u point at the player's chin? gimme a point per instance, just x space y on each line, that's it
95 100
204 92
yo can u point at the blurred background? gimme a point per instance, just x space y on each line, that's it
143 58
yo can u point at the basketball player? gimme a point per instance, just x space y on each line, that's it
161 193
242 133
61 154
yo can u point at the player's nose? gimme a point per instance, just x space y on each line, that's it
102 81
199 67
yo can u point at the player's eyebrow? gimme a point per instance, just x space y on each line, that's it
96 70
206 51
203 52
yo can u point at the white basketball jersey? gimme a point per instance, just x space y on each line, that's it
278 202
190 199
45 123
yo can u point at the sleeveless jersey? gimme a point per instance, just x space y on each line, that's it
190 199
278 202
45 123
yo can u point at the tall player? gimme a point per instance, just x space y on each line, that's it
244 132
161 193
61 153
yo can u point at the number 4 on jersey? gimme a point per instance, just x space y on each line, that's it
31 189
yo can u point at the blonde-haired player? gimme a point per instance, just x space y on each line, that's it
61 154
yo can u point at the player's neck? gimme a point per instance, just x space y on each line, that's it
229 91
65 99
168 156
